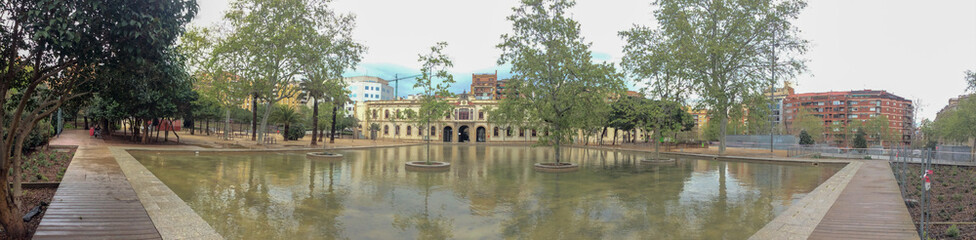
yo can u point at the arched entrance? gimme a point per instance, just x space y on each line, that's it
480 133
463 134
448 133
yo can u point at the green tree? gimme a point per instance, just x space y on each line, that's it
970 77
807 121
333 51
720 50
623 116
267 46
60 46
958 125
286 116
211 78
555 85
860 142
433 83
879 129
805 138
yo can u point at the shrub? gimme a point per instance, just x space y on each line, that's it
38 136
859 140
295 132
953 231
805 138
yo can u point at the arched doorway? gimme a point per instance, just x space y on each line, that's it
480 133
463 134
448 133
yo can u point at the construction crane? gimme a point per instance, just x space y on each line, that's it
397 79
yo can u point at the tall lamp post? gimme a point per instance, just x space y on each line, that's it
772 90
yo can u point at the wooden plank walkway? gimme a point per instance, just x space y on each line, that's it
94 200
871 207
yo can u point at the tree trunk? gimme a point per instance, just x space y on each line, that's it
86 123
556 146
657 141
166 134
13 225
322 135
18 161
158 125
254 117
264 124
193 126
335 107
603 135
315 120
972 151
285 134
207 130
227 124
145 135
723 126
614 143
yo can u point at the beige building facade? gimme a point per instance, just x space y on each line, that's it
467 123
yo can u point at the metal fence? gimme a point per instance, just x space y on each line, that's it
939 196
911 155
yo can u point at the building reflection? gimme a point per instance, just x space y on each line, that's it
489 192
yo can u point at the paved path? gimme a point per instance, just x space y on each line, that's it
94 200
862 201
871 207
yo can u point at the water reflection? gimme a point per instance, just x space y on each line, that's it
490 192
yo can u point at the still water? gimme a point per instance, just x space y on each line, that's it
490 192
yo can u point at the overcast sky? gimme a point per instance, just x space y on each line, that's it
914 49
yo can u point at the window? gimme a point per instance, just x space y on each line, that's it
408 130
374 114
420 131
481 116
508 132
521 132
836 103
433 130
464 114
495 132
386 130
387 113
396 130
533 132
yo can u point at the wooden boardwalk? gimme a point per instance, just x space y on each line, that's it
94 200
871 207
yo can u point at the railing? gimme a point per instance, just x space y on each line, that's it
910 155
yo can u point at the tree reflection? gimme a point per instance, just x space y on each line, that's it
428 226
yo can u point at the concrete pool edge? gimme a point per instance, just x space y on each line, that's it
174 219
179 221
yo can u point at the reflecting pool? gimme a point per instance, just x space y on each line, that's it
490 192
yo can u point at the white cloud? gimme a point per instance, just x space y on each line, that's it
913 49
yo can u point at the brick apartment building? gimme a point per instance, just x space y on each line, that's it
837 109
485 86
